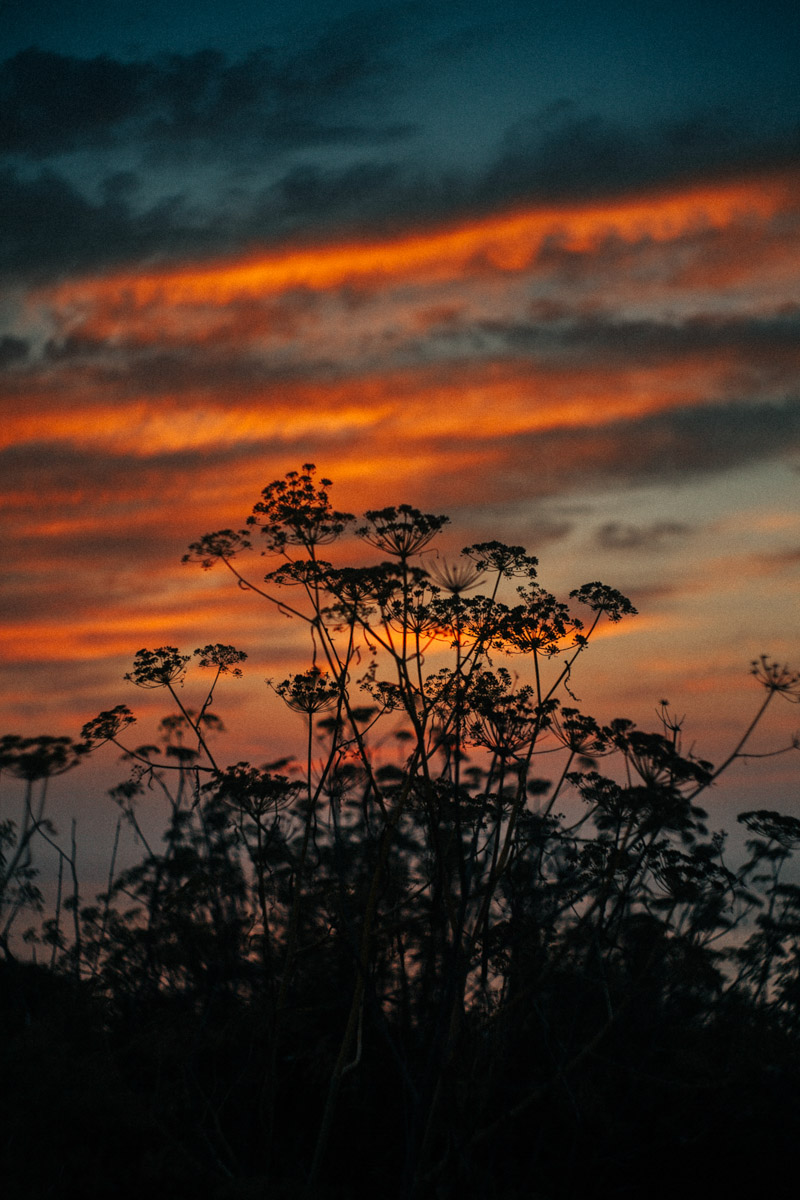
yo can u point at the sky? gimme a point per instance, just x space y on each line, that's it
531 265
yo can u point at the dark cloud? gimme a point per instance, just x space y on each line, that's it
674 446
12 350
771 340
564 152
105 477
301 141
252 341
560 328
717 437
585 157
660 535
49 226
608 337
309 193
69 123
55 104
154 372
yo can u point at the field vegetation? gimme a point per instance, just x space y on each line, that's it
472 943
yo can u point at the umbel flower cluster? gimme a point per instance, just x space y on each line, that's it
474 935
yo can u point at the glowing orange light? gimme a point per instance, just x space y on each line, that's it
505 243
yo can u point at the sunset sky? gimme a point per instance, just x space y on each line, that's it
536 266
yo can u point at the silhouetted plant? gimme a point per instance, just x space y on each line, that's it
468 911
35 761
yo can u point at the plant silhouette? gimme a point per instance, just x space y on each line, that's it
475 943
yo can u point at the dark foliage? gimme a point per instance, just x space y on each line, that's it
410 967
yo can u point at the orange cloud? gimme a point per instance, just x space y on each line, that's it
469 400
502 243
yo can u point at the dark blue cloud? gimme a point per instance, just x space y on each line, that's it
54 104
13 350
165 133
564 151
